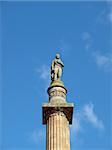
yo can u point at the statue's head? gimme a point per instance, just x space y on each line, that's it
57 56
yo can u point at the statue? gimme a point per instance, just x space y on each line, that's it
56 68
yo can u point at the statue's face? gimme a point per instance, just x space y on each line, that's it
57 56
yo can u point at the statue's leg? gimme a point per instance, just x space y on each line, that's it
58 76
56 73
59 73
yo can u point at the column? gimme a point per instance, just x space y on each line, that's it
57 132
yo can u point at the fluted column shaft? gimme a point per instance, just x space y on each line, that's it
57 132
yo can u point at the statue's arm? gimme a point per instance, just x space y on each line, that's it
52 65
61 62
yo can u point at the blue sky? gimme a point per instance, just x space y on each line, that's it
32 33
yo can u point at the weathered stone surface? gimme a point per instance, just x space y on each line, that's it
57 132
57 94
57 113
66 108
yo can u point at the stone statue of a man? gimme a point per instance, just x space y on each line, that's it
56 68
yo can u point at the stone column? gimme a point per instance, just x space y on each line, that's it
57 132
57 115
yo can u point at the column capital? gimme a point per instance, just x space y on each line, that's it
66 108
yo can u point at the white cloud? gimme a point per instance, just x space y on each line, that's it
109 17
109 14
88 115
86 36
91 117
37 136
103 61
76 126
44 72
87 39
105 17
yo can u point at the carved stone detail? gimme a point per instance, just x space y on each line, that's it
52 110
57 93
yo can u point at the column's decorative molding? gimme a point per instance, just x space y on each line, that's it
48 110
57 93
